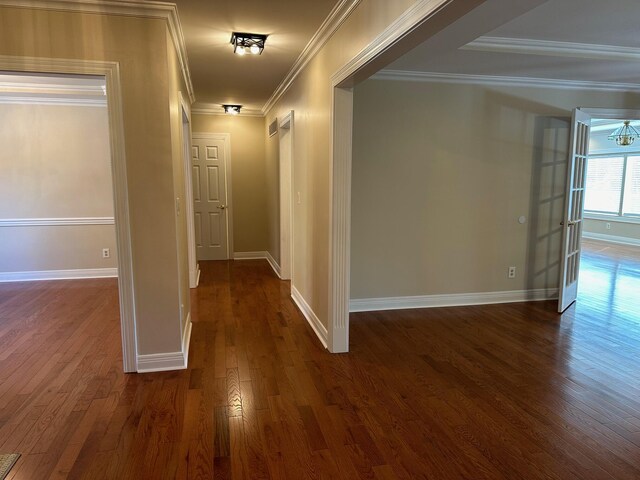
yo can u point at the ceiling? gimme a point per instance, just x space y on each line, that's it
534 45
218 75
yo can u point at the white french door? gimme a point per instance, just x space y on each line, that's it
574 205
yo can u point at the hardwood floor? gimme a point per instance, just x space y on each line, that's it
495 392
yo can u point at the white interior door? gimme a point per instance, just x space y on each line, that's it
574 203
210 198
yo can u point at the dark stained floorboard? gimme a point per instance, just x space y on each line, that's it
511 391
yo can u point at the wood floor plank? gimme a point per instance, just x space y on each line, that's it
510 392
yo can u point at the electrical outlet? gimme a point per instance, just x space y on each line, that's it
608 226
512 272
106 253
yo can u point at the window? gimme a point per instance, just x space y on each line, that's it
613 185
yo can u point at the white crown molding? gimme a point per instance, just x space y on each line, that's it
51 89
33 276
308 313
50 100
50 222
406 23
451 300
612 238
528 46
215 109
463 78
147 9
334 20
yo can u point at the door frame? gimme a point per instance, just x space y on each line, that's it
286 199
185 132
599 113
226 138
111 72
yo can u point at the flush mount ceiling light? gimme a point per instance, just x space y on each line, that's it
232 109
248 43
624 135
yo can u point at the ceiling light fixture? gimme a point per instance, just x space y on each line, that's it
232 109
624 135
248 43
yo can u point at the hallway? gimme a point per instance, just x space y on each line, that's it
496 392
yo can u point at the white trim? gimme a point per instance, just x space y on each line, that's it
334 20
406 23
111 72
529 46
48 89
309 314
162 362
58 274
286 195
198 271
249 255
451 300
611 113
49 222
226 138
274 264
340 226
506 81
146 9
216 109
51 100
185 137
611 238
186 339
259 256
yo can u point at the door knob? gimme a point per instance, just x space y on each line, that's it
570 223
222 207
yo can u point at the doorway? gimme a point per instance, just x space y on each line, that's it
111 91
212 209
601 193
609 267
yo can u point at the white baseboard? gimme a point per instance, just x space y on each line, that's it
58 274
258 255
451 300
249 255
274 264
162 362
310 315
611 238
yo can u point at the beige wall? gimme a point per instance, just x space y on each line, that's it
441 174
621 230
248 176
55 163
139 45
310 98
